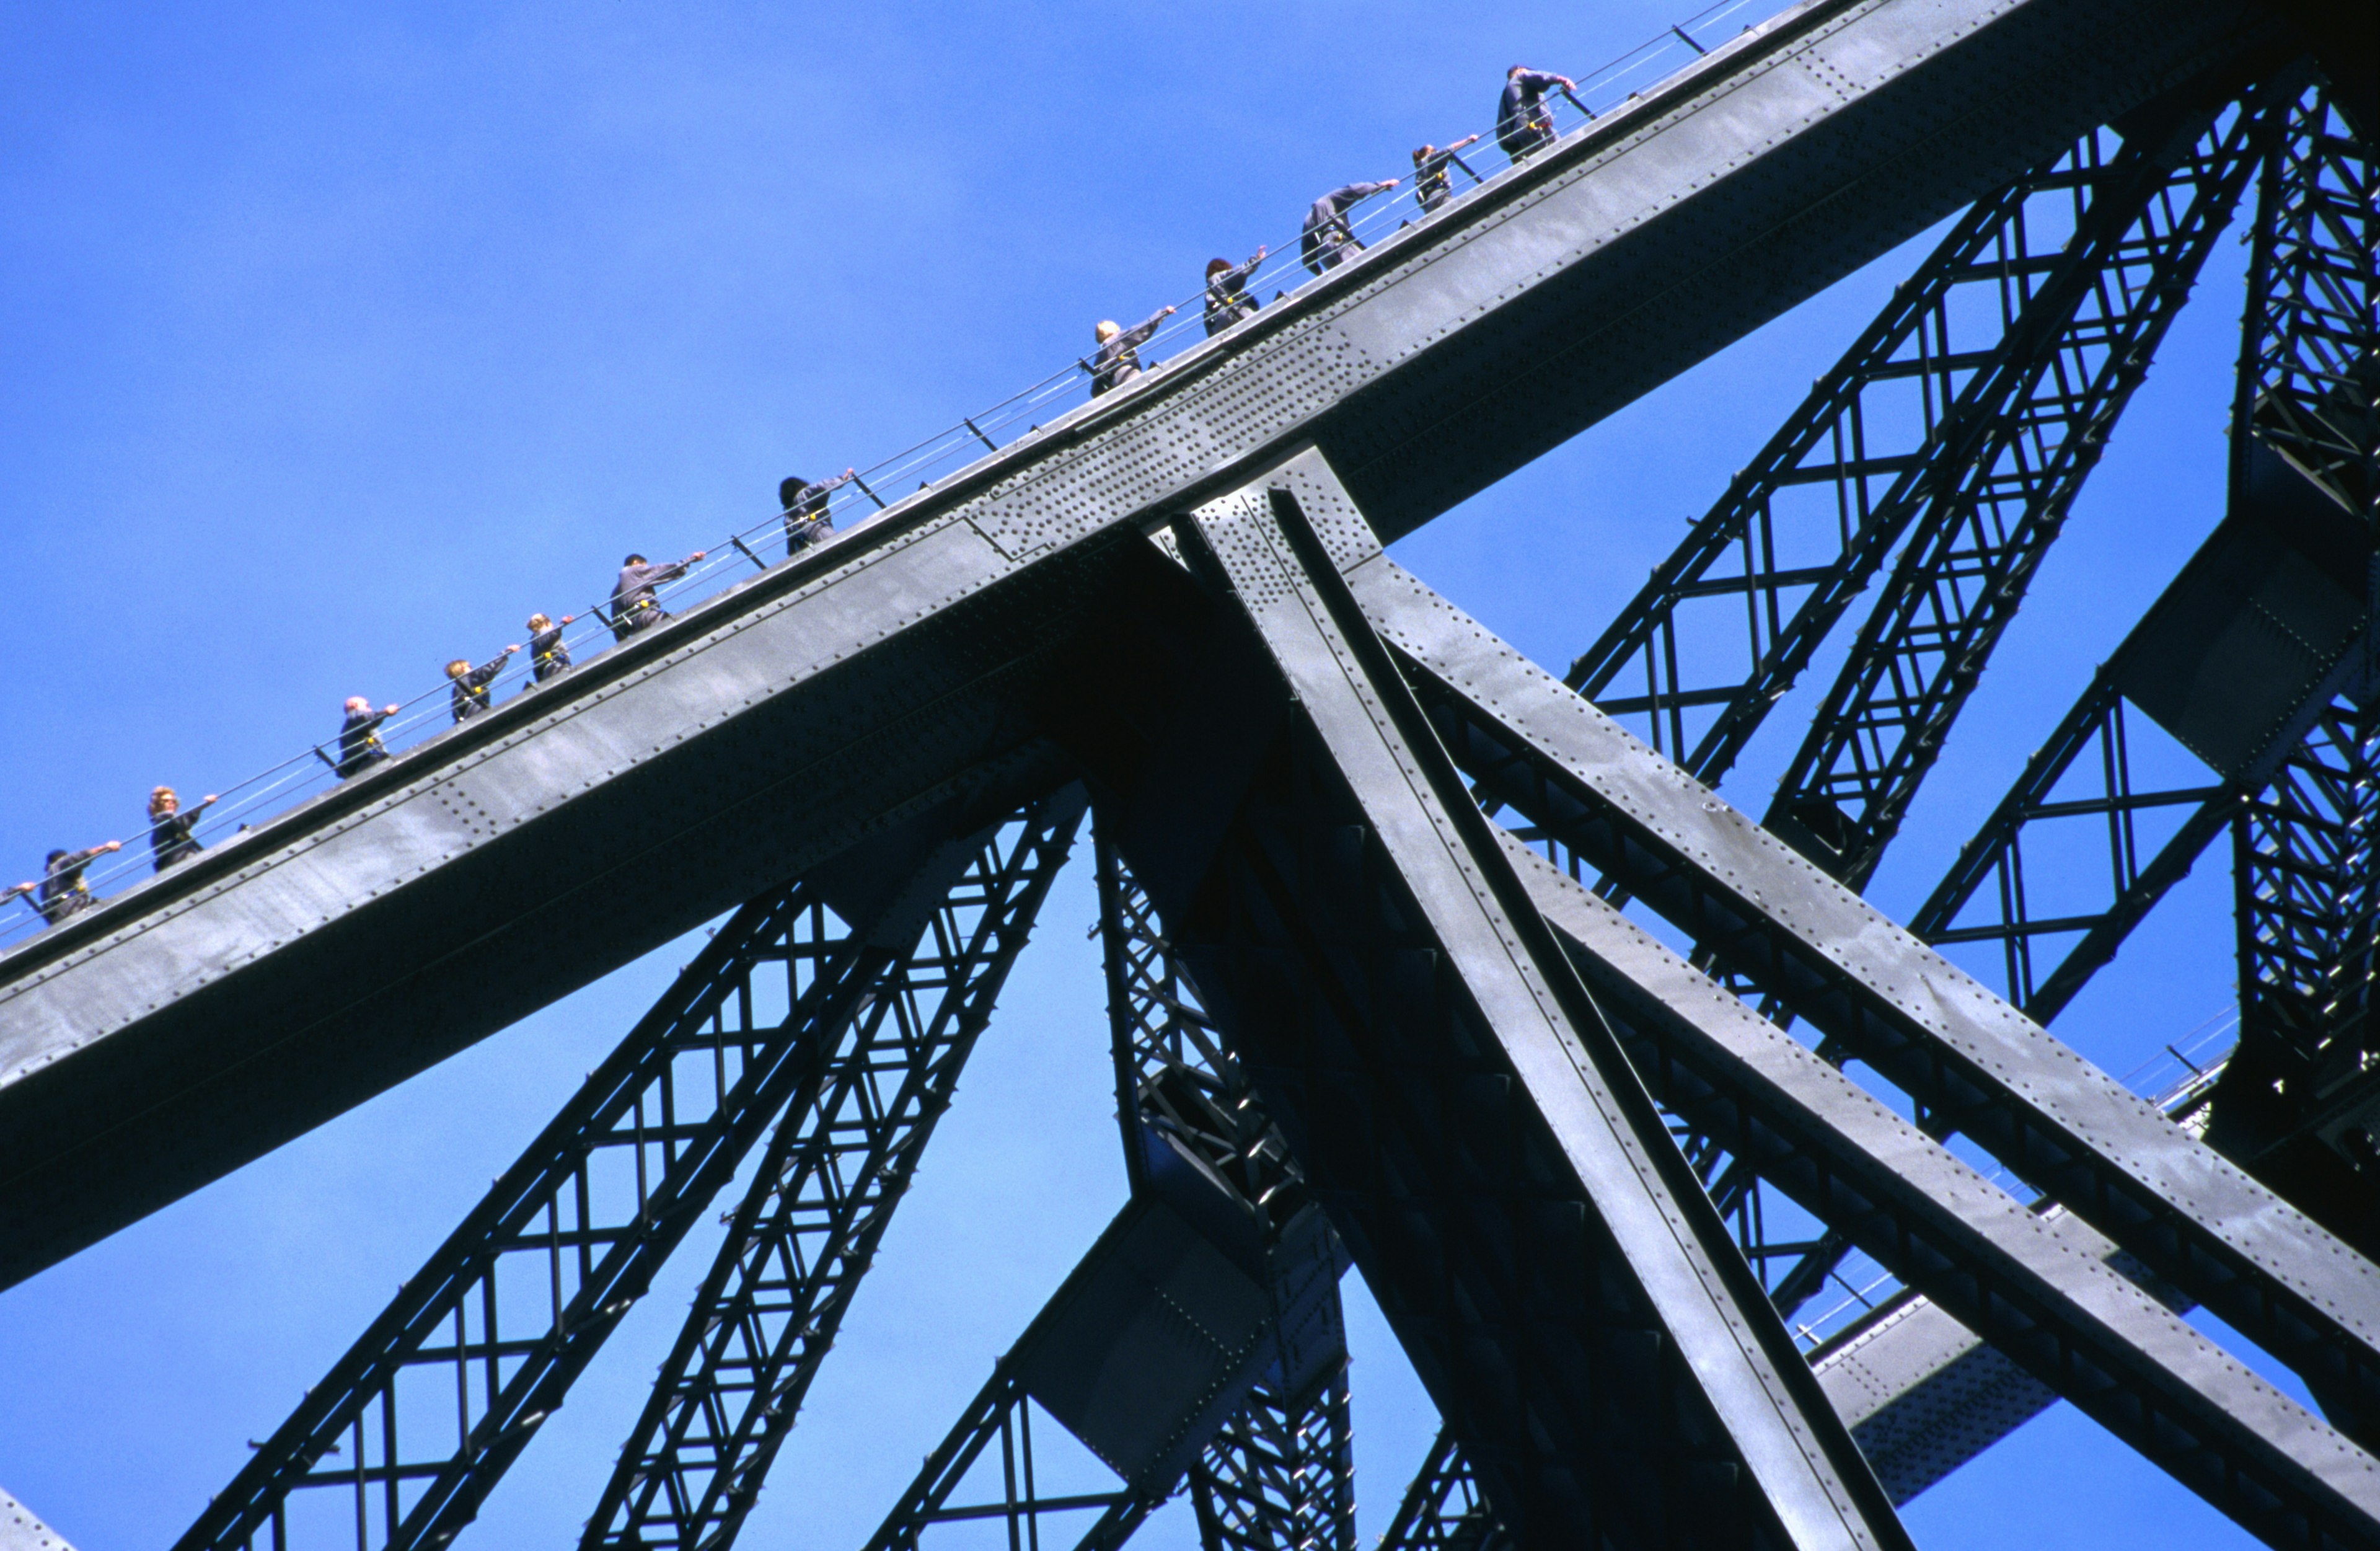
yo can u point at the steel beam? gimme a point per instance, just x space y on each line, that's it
1563 1288
218 1010
2315 309
2298 1104
997 1427
2040 1288
2189 1215
19 1531
1154 1340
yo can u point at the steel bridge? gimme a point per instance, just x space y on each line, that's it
1421 959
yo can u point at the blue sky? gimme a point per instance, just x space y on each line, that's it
334 340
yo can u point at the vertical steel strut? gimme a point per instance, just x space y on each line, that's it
1280 1475
818 1206
1272 1470
2299 1103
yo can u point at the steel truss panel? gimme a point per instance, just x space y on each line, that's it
2092 737
1992 375
2299 1103
1769 914
441 897
578 1228
2235 659
2016 450
1442 1509
2039 1288
1074 1335
2010 359
1566 1292
819 1204
1002 1414
2315 309
1279 1475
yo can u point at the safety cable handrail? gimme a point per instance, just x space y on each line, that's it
314 768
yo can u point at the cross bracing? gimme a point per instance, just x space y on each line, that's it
1351 1017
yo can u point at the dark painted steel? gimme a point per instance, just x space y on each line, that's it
2016 448
997 1430
1153 1343
1921 1023
1280 1473
2271 618
2008 368
211 1012
1442 1509
1902 431
797 1245
579 1226
2316 310
1531 1234
2298 1104
2040 1289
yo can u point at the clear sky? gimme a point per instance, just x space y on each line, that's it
335 339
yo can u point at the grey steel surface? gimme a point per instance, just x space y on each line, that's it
1634 1306
1922 1395
152 1045
2268 621
19 1531
2188 1213
2039 1285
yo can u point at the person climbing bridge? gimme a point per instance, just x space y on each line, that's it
807 521
1328 237
359 744
634 608
169 827
471 695
1431 185
1524 125
548 654
1227 292
1117 360
61 892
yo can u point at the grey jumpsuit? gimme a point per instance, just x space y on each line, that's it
471 690
1327 237
634 608
360 747
807 521
1228 301
1118 361
1523 128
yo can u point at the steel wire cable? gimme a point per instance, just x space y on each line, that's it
312 771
